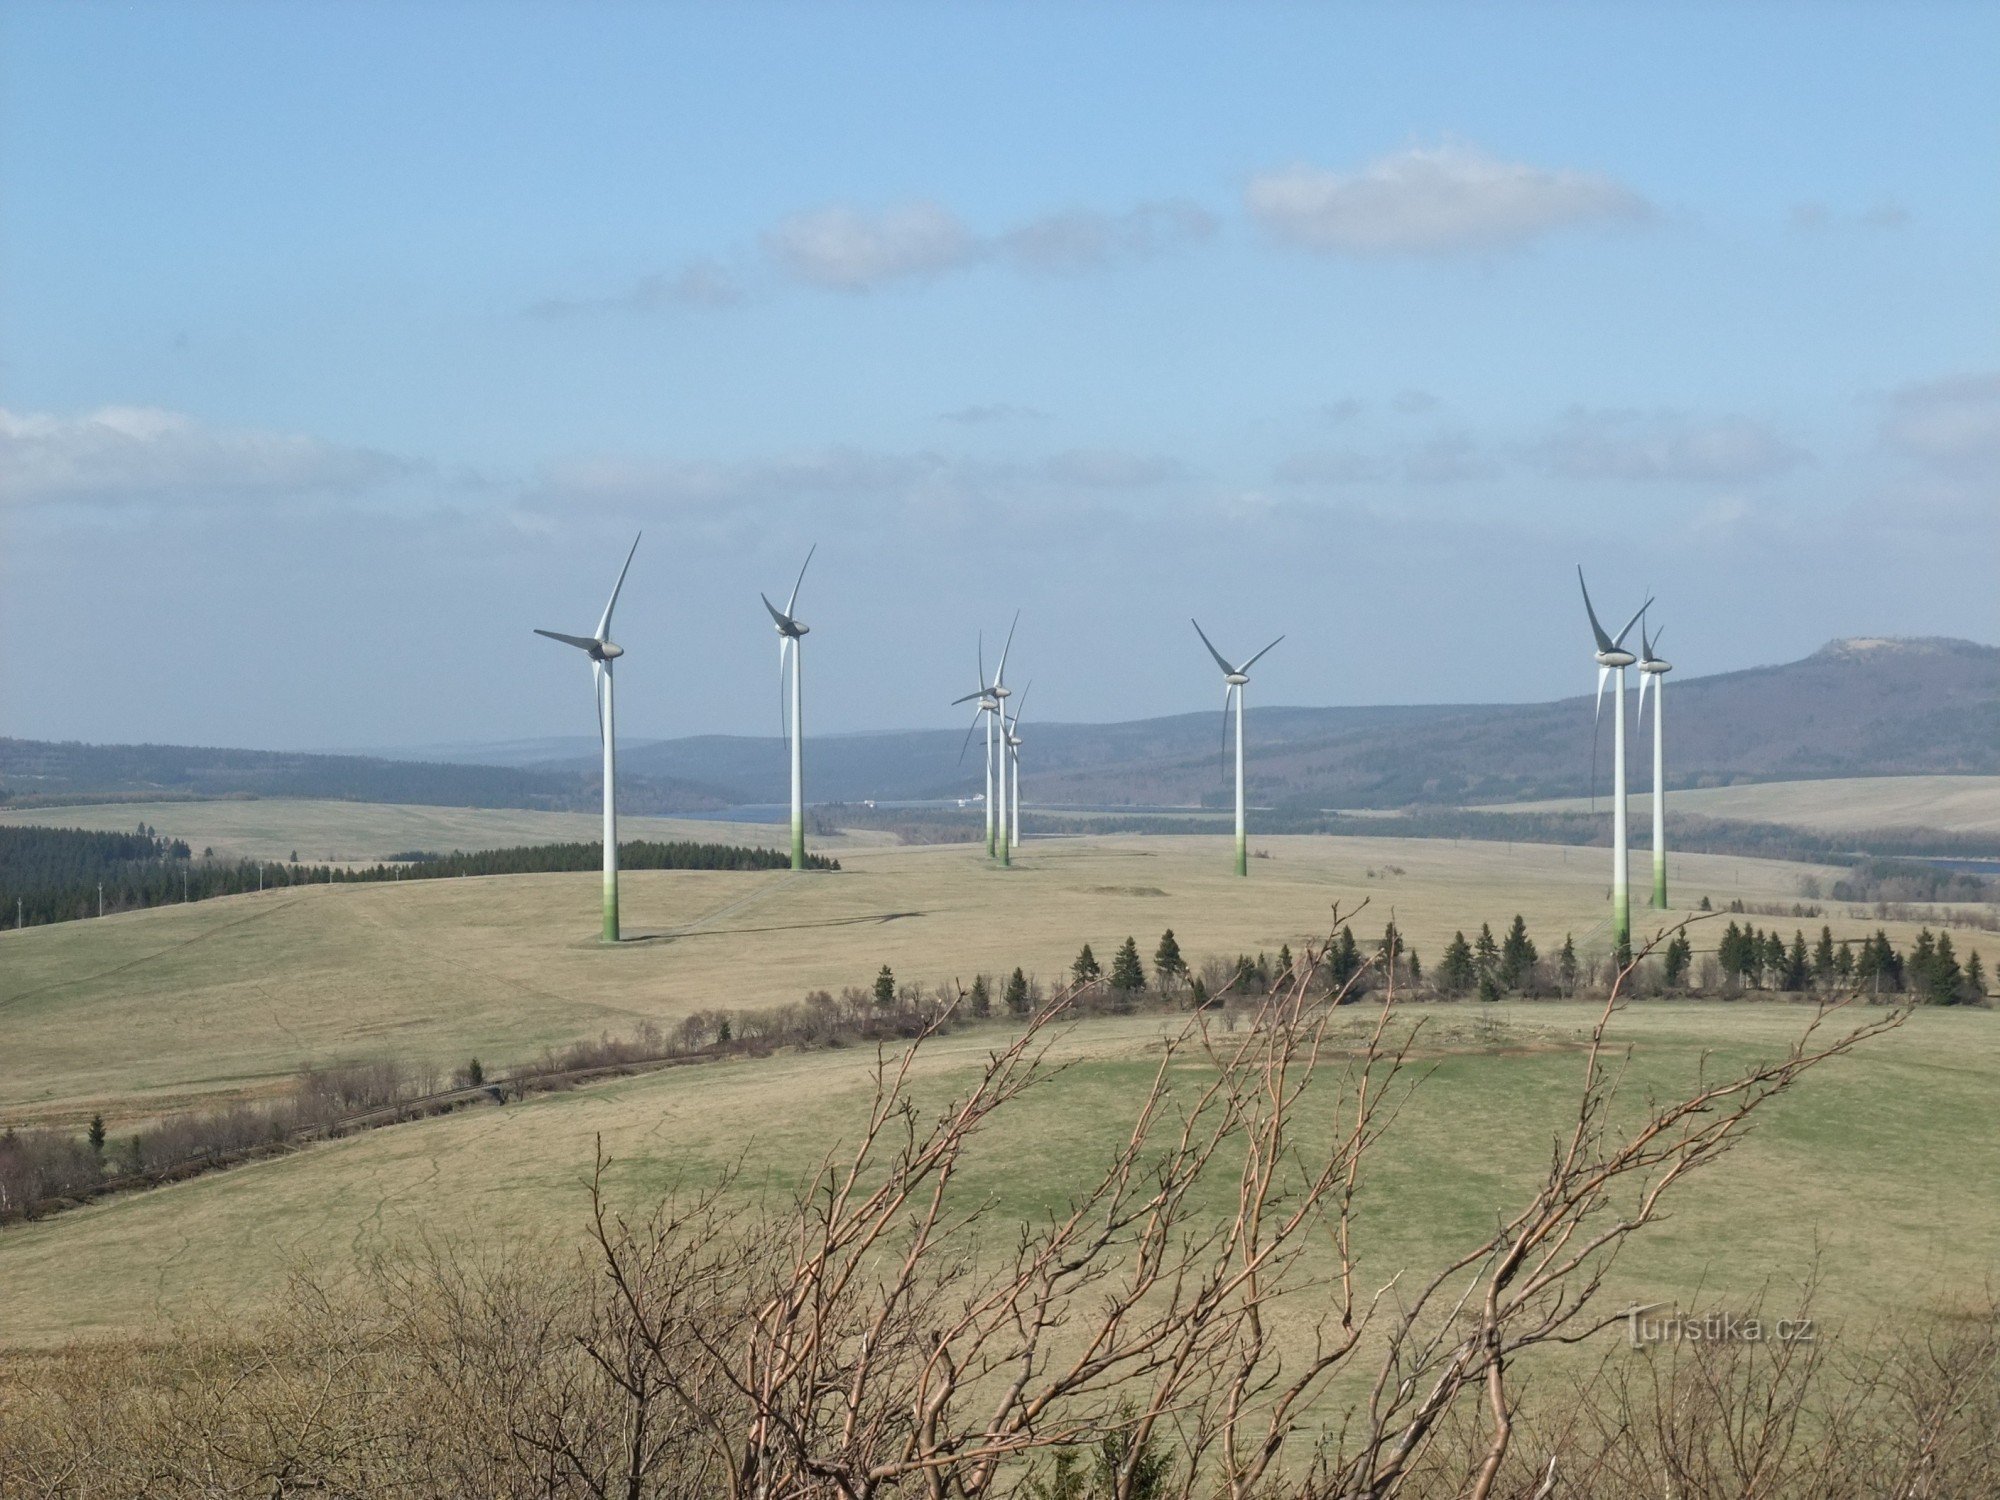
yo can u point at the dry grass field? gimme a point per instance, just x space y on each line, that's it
1952 804
148 1010
1872 1166
329 832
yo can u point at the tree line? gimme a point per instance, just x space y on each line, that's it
63 874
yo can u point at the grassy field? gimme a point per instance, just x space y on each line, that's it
148 1010
1953 804
1872 1165
326 832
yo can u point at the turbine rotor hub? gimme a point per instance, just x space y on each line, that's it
1615 658
1236 679
608 649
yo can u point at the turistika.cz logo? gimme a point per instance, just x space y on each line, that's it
1648 1326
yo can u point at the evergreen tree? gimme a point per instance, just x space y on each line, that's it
475 1075
1284 962
1489 985
1127 976
1197 993
1390 949
1567 968
1843 963
980 998
1679 955
724 1034
1941 978
1085 969
1706 905
97 1135
1456 973
1823 960
1798 966
1975 976
1486 952
1168 965
885 988
1775 960
1016 994
1416 965
1343 959
1517 956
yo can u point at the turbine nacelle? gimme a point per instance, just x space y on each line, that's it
606 650
1236 679
1615 658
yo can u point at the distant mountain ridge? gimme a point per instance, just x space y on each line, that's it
1859 706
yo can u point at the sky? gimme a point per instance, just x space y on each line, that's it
341 345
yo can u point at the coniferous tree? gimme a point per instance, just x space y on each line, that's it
885 988
1843 963
1774 959
97 1134
1489 985
1567 968
1679 955
1517 956
1085 969
1975 977
1168 965
1798 965
1416 965
1485 951
980 998
1127 975
1823 960
1284 962
1456 972
1197 992
1944 976
724 1034
1016 994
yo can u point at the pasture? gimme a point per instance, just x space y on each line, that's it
1951 804
1868 1167
150 1010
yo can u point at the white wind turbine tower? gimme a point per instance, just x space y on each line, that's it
790 630
1234 679
602 653
1654 669
1012 740
992 698
1611 655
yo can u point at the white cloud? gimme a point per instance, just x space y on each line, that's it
1665 446
847 249
1953 423
996 411
702 282
1433 200
132 454
1448 459
1085 239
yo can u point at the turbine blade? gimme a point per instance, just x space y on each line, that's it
982 663
968 698
597 671
1644 678
784 704
793 601
1652 651
1000 672
966 744
1619 639
1603 676
1226 668
1255 659
778 616
1604 642
1021 701
1222 754
604 625
582 643
1645 644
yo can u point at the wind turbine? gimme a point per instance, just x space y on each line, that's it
1234 679
1654 669
992 698
602 654
1012 739
1611 654
790 630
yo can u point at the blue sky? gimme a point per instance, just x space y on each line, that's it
342 344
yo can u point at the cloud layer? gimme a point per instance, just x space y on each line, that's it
133 454
1433 201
